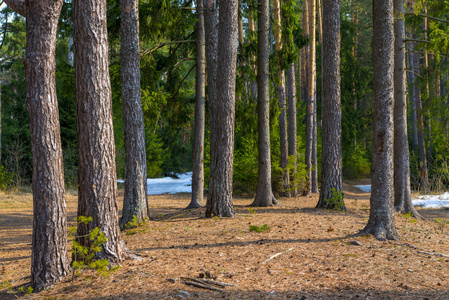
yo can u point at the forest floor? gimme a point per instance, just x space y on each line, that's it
307 253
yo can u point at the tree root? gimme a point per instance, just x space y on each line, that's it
418 250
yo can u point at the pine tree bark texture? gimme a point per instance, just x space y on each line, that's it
292 128
200 112
264 193
281 98
381 219
411 80
402 192
223 115
97 193
49 262
313 97
135 201
331 153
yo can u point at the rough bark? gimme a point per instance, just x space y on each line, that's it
402 192
223 115
264 194
135 202
49 262
381 219
97 193
292 129
331 156
200 112
281 98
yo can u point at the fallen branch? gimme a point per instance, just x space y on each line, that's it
418 250
203 286
207 281
277 254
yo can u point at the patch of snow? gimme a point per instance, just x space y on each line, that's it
365 188
168 185
432 201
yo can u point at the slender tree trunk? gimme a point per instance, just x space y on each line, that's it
311 106
222 149
281 98
135 202
331 158
264 194
292 139
97 193
381 219
0 121
402 192
211 46
411 78
49 262
253 83
200 112
424 179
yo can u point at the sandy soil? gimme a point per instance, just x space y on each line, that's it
307 254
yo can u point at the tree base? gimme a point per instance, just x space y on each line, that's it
193 205
381 233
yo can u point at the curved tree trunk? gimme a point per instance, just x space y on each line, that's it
381 218
200 112
331 154
223 115
402 193
49 262
135 202
264 194
292 140
97 193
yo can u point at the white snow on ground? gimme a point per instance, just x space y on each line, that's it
432 201
365 188
426 201
168 185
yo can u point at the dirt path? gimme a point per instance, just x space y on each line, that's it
304 255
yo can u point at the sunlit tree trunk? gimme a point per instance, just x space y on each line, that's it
292 139
97 193
135 202
311 161
200 112
49 262
223 113
264 194
381 218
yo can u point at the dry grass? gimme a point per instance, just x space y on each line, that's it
304 255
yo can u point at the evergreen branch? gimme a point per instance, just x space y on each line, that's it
417 41
429 17
182 81
17 5
8 58
181 61
146 52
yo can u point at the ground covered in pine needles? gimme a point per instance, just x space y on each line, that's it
304 253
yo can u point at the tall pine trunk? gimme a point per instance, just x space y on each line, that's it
292 128
49 262
97 193
200 112
223 115
381 218
282 103
331 156
402 192
264 194
135 201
